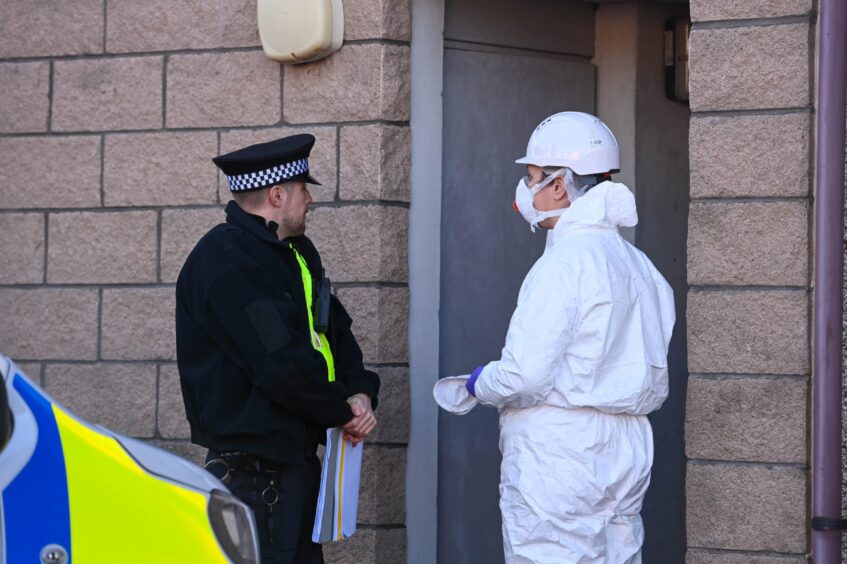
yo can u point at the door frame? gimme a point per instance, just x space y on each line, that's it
427 77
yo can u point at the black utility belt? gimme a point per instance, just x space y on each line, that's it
228 462
224 463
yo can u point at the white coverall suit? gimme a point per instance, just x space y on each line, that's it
585 360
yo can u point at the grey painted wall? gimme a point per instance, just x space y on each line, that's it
662 194
552 26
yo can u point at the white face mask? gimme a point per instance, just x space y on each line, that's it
525 196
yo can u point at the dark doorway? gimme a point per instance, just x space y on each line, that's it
505 69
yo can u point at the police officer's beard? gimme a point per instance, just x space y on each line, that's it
294 226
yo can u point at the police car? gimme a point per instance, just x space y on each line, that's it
74 492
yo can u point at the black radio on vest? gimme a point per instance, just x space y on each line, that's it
322 310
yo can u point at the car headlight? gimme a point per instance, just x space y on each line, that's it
233 524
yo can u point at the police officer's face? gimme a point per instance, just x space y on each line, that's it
296 207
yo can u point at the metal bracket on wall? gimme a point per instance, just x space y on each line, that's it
828 524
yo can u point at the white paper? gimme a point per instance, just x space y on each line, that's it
338 498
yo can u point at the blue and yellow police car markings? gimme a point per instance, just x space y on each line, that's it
82 491
117 508
35 503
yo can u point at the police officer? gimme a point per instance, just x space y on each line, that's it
267 361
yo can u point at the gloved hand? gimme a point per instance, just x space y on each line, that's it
451 395
471 383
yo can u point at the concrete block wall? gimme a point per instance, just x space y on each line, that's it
749 248
110 111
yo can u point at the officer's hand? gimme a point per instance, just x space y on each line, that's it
363 422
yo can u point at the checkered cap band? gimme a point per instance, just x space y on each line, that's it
268 177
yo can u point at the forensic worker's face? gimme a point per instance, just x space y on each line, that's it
296 206
551 197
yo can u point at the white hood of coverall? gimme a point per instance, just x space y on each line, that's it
585 359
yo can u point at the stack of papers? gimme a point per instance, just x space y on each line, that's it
338 499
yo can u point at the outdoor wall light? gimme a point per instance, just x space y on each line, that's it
300 31
676 58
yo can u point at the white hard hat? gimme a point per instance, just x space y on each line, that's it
575 140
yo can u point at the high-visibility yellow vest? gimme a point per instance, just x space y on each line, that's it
319 340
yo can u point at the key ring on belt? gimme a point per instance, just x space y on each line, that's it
270 495
224 463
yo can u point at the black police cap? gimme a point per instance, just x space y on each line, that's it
266 164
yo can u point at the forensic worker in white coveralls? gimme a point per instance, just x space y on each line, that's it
585 360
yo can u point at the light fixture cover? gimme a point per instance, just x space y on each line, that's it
300 31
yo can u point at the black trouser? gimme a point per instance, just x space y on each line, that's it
283 498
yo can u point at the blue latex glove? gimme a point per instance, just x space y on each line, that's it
472 380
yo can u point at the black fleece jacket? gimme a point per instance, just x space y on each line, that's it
251 379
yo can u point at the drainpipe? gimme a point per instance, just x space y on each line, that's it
829 239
